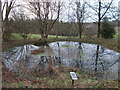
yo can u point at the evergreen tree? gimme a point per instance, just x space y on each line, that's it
108 30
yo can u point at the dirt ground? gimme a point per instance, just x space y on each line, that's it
8 76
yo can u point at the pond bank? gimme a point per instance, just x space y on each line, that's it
108 43
14 43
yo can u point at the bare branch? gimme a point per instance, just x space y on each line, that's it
106 9
92 7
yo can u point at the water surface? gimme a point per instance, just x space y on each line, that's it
72 54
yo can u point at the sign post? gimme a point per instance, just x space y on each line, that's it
74 77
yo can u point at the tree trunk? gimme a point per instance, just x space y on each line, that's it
46 36
42 34
24 35
119 26
5 30
43 37
80 34
99 30
1 32
0 48
97 56
58 28
80 30
99 19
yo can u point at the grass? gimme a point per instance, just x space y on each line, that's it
16 36
117 36
34 36
65 81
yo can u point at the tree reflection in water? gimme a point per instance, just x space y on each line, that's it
74 54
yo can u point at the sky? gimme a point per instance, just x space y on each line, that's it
91 12
64 15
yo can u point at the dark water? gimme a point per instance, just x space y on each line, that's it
74 54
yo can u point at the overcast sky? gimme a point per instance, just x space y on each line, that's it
64 16
91 12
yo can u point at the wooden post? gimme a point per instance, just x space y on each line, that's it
72 82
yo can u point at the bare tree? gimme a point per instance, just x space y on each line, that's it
80 17
100 13
47 13
6 7
20 15
58 20
114 13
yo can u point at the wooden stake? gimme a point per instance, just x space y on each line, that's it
72 82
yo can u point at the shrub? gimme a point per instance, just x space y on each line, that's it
108 30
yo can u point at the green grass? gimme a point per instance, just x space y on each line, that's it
34 36
117 36
16 36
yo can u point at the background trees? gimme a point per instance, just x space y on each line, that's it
46 16
107 30
101 9
47 13
6 7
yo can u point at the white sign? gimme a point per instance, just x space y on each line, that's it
73 75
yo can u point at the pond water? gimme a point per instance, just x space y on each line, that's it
72 54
